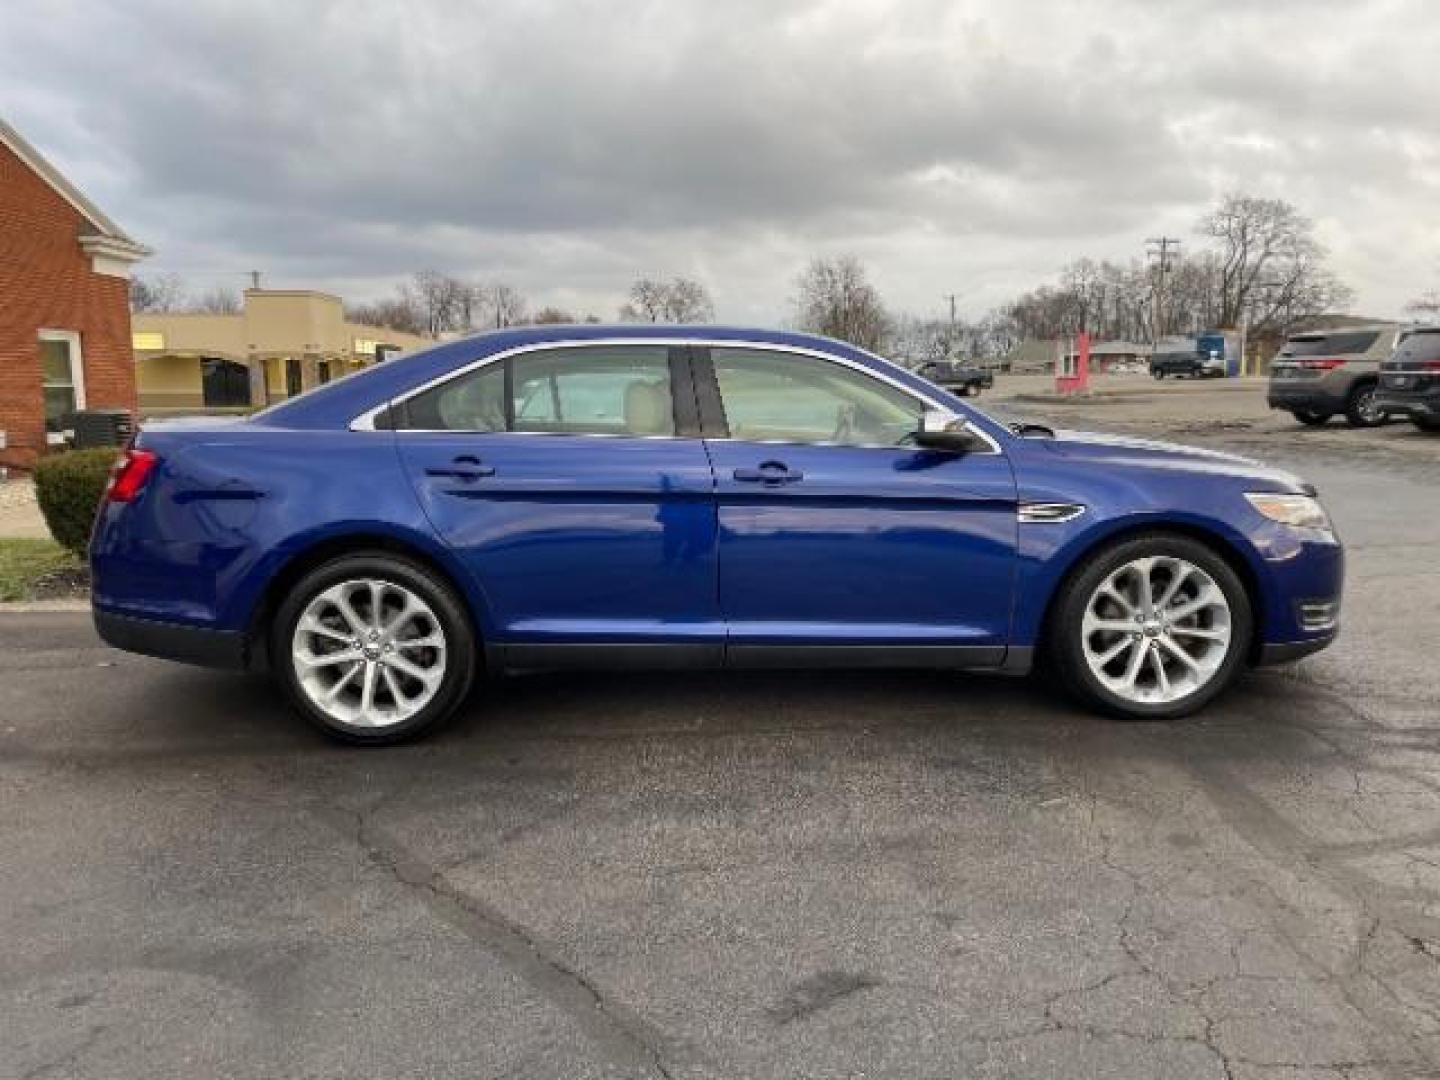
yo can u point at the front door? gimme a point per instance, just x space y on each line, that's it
578 497
834 531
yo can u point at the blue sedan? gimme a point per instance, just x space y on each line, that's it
553 497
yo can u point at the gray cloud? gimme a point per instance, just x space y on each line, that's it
957 146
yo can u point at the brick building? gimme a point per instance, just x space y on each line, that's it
64 304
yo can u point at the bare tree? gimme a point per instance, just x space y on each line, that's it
834 297
1271 268
439 298
687 301
552 315
504 305
679 300
1425 306
399 312
163 292
217 301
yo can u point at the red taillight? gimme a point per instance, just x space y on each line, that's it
1322 363
131 471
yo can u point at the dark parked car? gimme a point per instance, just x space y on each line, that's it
1320 373
1410 379
553 497
1186 364
962 379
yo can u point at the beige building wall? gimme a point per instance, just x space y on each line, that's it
169 382
275 325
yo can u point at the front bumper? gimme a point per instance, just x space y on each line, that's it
173 641
1283 652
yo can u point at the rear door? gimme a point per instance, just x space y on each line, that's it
834 531
578 494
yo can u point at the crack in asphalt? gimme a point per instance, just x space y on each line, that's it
622 1036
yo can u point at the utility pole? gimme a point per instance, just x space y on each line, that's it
255 279
952 297
1162 249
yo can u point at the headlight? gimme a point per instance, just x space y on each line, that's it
1301 511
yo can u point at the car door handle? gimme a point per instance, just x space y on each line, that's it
769 472
465 467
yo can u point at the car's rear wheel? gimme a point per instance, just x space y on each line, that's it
1361 410
1158 374
373 649
1151 628
1311 419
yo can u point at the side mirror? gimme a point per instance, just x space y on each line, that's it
941 430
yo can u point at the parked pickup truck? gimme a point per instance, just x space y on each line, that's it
959 378
1186 364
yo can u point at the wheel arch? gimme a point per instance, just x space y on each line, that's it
318 550
1215 537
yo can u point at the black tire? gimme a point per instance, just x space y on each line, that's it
1065 649
1158 374
1356 407
1311 419
1425 424
450 612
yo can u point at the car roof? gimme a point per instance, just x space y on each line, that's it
1329 331
336 403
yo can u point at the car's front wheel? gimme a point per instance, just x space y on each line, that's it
1311 419
1151 628
373 649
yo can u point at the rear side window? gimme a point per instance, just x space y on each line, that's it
601 390
474 401
1341 344
611 390
1420 345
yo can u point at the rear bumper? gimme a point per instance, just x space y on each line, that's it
1424 404
173 641
1307 396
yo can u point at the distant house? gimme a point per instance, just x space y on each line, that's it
1104 355
281 342
1033 356
64 304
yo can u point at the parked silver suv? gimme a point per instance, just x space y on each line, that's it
1320 373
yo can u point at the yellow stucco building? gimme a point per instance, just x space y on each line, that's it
282 342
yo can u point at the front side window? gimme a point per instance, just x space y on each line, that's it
599 390
787 397
60 377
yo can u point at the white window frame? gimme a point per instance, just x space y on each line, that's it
77 377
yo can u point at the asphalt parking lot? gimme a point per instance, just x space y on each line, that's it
760 875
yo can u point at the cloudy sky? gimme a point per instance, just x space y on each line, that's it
567 146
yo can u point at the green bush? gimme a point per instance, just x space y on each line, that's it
68 488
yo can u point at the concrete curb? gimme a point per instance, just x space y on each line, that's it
42 607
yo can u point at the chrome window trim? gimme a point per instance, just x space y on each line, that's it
366 420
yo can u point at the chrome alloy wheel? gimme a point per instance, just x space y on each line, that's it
1156 630
368 653
1367 407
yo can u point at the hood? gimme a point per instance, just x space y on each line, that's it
1124 450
